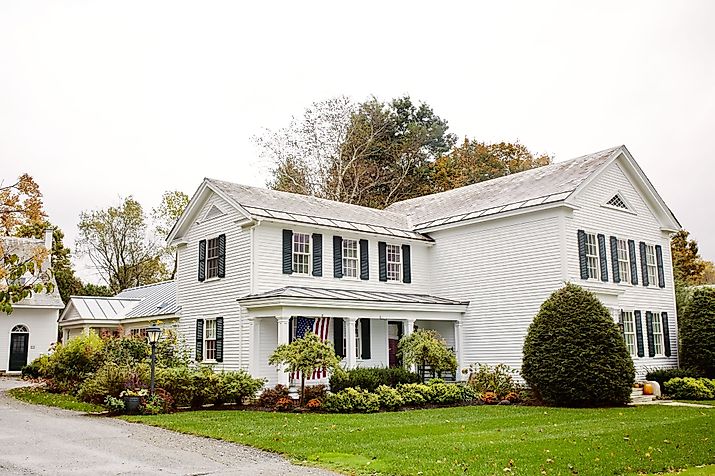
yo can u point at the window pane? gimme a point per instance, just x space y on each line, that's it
212 258
301 253
350 258
592 256
394 263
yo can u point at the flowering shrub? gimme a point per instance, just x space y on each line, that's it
284 404
490 398
512 397
314 404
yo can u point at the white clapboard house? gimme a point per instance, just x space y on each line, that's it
257 267
31 329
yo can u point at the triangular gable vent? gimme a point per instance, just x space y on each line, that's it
618 202
214 212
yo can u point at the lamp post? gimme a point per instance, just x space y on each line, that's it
153 334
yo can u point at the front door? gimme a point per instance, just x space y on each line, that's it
18 350
394 334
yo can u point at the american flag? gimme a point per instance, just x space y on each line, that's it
319 327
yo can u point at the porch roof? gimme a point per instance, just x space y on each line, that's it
298 292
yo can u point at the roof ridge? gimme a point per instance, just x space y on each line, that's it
147 285
106 297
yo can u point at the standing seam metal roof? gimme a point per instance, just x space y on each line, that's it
351 295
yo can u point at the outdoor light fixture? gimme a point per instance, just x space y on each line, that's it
153 333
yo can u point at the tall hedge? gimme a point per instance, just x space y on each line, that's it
697 333
574 353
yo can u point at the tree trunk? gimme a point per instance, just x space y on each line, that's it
302 388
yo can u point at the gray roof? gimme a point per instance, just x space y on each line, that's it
312 210
24 247
156 300
152 300
351 295
548 184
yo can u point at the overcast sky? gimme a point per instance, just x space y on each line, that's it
106 99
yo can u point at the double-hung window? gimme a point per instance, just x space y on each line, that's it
351 262
301 253
139 332
592 256
629 332
651 266
210 339
658 344
212 258
624 262
394 263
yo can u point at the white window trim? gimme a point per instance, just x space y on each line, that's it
629 208
625 282
634 353
598 257
309 254
206 261
205 339
654 266
387 263
356 259
657 320
358 340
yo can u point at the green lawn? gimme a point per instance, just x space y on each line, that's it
702 402
480 440
42 397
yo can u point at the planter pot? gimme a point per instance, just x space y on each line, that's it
131 404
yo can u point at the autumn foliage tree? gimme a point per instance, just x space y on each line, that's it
21 270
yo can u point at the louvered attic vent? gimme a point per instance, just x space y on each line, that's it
617 202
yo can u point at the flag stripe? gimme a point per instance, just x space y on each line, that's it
318 326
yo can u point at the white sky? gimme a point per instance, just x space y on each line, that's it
106 99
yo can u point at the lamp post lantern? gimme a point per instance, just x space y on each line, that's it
153 333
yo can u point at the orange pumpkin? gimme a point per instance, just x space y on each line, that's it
648 389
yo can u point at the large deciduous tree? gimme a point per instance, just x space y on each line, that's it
21 268
117 242
474 161
688 266
171 207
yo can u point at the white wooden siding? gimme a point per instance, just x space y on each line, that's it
42 324
641 226
216 297
506 268
269 255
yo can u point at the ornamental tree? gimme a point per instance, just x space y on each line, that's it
305 355
574 353
426 347
697 332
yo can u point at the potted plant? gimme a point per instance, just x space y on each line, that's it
133 399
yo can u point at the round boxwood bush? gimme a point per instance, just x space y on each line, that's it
697 333
574 354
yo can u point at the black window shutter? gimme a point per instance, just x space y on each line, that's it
602 256
317 254
221 256
634 266
649 329
287 252
199 340
639 333
382 256
365 338
583 263
614 260
364 260
202 260
290 329
338 334
620 325
219 339
659 261
337 257
644 265
666 333
406 264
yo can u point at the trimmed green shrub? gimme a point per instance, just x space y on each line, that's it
689 388
236 387
574 354
389 397
697 332
352 400
663 375
178 381
71 363
370 378
206 387
415 394
446 393
498 379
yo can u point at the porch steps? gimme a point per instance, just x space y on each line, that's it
637 397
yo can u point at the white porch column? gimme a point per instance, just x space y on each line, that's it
409 329
350 350
458 349
252 346
283 337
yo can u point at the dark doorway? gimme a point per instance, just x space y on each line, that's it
394 334
18 349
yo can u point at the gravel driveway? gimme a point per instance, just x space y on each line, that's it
35 439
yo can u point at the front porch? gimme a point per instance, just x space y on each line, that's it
364 327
